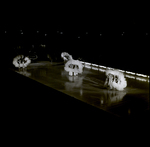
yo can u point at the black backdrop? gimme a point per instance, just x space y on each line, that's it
89 32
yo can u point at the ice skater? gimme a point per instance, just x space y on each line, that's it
21 61
74 67
115 80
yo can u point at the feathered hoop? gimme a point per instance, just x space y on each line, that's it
66 56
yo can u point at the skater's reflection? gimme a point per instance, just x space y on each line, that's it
74 84
24 72
111 96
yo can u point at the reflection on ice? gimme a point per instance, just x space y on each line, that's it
91 93
112 96
24 72
74 82
88 66
94 68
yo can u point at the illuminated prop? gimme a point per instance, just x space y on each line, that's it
21 61
73 67
115 80
66 56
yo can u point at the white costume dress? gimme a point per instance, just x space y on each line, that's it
115 80
74 67
21 61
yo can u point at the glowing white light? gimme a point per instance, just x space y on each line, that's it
103 70
109 68
87 63
102 66
21 32
94 68
87 33
130 72
100 34
128 76
61 33
95 65
82 62
87 66
141 75
37 31
45 34
122 70
141 79
5 31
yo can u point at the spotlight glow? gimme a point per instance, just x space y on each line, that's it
87 63
102 66
141 75
128 76
95 68
110 68
82 62
130 72
87 66
102 70
95 65
122 70
141 79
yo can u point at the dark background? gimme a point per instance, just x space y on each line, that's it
31 106
111 34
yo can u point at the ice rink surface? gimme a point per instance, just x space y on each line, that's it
89 87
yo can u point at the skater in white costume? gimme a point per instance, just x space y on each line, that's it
115 80
21 62
74 67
